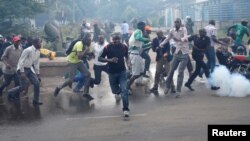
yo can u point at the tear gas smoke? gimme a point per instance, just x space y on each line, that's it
233 85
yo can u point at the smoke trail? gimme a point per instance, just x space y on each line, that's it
233 85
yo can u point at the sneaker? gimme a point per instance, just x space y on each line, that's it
173 91
166 91
153 89
139 84
35 103
178 94
91 83
126 113
117 98
146 76
77 91
189 87
12 97
88 97
202 80
70 85
214 88
56 92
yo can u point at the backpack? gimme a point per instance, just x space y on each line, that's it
70 47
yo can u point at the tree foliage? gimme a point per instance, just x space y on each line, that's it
19 8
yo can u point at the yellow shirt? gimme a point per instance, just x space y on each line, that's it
72 57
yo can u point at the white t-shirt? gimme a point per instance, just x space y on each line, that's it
211 30
98 49
125 28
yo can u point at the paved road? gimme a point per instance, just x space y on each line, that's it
160 118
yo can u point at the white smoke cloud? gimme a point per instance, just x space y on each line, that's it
233 85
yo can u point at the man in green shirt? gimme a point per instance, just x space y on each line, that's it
240 31
135 46
75 63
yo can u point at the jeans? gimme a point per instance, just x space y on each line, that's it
1 72
198 57
147 61
118 84
7 80
98 72
210 54
79 77
73 67
24 83
181 59
189 65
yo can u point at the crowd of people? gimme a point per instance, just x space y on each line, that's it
124 59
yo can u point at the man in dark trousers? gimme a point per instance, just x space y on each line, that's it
116 53
163 59
10 59
28 67
201 45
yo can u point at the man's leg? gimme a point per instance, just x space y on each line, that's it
158 72
147 62
14 93
97 72
189 66
124 92
137 69
16 80
34 80
173 67
86 75
114 85
6 82
195 74
167 67
183 65
72 71
213 60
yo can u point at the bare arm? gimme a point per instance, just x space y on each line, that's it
168 38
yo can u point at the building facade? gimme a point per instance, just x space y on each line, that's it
204 10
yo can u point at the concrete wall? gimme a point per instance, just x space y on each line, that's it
51 68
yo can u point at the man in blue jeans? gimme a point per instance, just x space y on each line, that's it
114 53
210 53
28 67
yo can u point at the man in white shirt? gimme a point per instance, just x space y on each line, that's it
179 35
99 66
210 53
28 67
125 31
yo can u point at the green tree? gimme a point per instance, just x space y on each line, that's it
14 14
19 8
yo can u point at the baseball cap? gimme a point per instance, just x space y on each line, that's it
15 39
148 28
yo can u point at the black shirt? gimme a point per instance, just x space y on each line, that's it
200 42
120 51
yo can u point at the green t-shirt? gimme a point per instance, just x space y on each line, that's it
240 32
248 58
72 57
